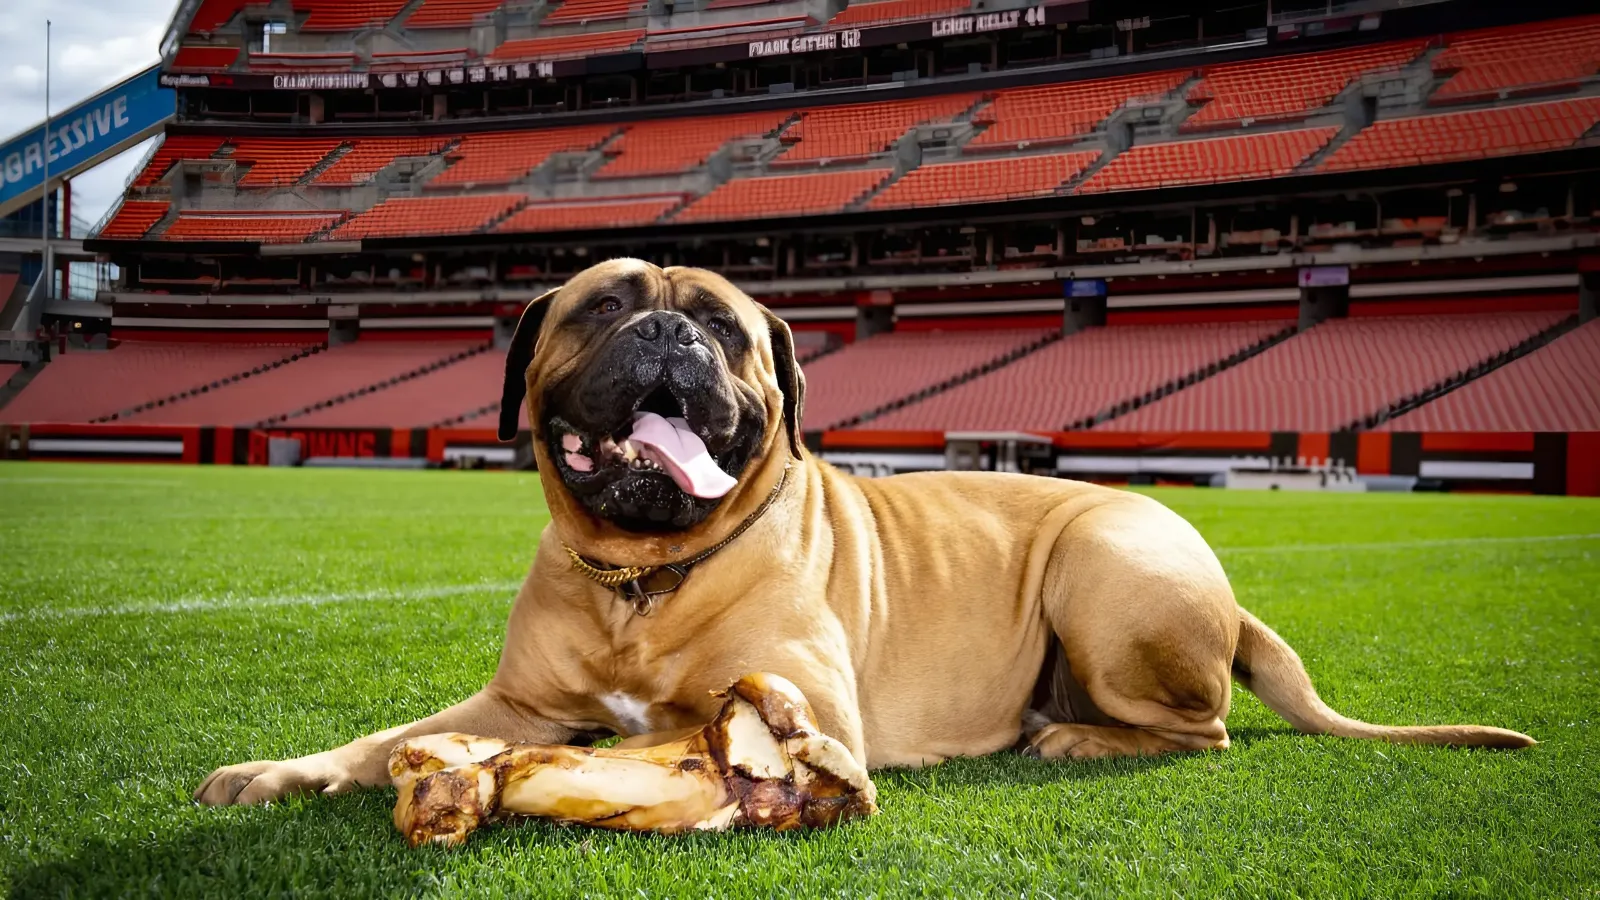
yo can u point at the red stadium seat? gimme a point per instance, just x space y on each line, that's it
451 13
213 14
267 228
1056 113
1289 87
175 147
278 162
863 129
452 390
783 195
305 382
1009 178
1474 134
619 212
503 157
879 370
1498 62
133 220
1554 388
347 15
1078 377
1336 373
87 385
407 216
882 12
368 156
593 11
1236 158
670 146
567 46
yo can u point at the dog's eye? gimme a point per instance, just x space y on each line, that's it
721 326
606 306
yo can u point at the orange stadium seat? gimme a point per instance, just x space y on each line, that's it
782 195
368 156
445 393
1496 62
1338 372
347 15
502 157
1473 134
268 228
134 219
1061 112
451 13
302 383
670 146
1554 388
593 11
983 180
887 367
1289 87
276 162
205 57
175 147
573 216
863 129
566 46
1234 158
884 11
80 387
1078 377
405 216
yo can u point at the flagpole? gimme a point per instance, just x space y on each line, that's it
44 229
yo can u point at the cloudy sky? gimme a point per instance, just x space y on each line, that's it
94 43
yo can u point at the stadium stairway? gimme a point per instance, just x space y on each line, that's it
1402 405
14 377
213 385
377 387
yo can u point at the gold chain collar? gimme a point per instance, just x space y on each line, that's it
630 581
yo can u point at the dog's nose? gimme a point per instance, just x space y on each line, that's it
660 326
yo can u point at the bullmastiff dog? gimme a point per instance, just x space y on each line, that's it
694 540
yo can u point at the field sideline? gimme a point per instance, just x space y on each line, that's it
158 621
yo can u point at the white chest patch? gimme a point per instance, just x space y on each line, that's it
631 713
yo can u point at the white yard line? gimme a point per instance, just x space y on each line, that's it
232 601
1410 545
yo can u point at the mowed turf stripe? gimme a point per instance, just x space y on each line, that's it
1408 545
230 602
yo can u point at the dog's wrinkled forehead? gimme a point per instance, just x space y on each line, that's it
644 286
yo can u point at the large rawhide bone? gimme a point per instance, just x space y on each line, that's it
761 763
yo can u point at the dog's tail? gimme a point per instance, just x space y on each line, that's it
1269 668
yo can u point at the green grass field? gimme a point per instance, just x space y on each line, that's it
156 622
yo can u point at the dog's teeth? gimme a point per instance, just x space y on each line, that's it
636 464
630 451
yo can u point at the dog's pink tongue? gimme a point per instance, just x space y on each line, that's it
682 454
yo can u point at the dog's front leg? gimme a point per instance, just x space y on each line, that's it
364 762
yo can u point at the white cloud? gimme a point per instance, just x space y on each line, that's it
94 44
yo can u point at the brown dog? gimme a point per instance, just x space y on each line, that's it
924 616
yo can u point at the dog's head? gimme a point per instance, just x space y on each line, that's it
654 396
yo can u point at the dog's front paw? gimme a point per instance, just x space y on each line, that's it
268 780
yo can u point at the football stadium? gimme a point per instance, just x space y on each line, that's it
1320 278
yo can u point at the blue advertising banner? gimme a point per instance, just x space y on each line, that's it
83 136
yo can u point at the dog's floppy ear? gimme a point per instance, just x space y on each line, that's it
790 378
518 356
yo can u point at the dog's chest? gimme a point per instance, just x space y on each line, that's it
631 714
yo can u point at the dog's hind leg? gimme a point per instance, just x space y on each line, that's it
1147 625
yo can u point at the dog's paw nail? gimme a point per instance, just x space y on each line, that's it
1032 751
